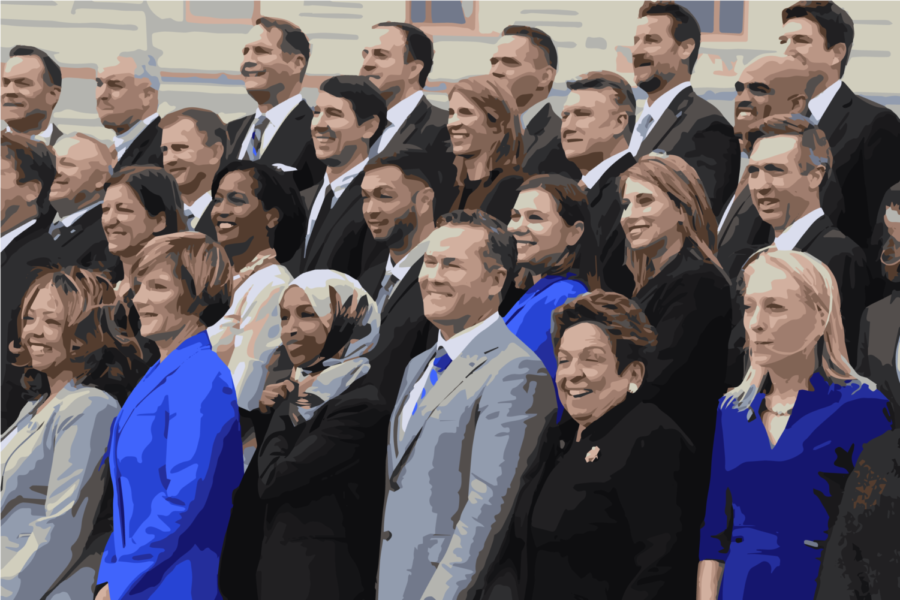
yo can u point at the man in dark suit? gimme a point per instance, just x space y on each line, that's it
27 169
675 119
398 63
525 62
597 121
349 117
862 134
398 204
787 168
127 101
278 134
32 82
193 143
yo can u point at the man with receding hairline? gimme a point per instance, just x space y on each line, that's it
525 62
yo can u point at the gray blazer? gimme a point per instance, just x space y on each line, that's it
51 496
454 474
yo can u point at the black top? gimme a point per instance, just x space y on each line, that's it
145 150
877 352
468 187
543 147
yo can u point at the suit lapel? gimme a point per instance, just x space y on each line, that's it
87 220
55 135
349 199
237 141
405 285
819 227
407 128
536 127
36 424
668 120
837 112
286 146
739 202
136 149
413 373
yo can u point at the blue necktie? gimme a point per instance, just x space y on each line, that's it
441 361
256 138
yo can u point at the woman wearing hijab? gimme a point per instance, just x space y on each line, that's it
318 476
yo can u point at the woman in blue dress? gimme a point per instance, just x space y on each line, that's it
787 437
557 260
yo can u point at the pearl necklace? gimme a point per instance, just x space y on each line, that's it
781 413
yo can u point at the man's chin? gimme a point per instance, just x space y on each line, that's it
651 84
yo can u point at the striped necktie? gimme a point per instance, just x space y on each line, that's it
441 361
253 150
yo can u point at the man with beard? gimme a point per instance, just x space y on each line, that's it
127 101
32 83
278 134
675 119
193 142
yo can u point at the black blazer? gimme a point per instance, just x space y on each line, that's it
496 195
320 487
425 128
876 356
205 224
689 302
743 233
606 212
344 242
543 146
292 145
146 149
625 525
404 333
695 130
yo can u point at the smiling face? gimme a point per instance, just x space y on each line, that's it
126 223
769 86
470 133
779 189
26 95
43 332
542 236
187 158
656 56
19 200
337 137
384 63
587 375
389 204
649 217
521 68
264 67
161 304
303 333
81 171
123 99
238 214
779 322
592 124
804 40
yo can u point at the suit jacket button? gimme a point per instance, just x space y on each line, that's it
394 486
386 535
738 539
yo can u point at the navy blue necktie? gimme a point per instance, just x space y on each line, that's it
441 361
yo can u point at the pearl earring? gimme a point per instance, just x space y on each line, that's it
632 388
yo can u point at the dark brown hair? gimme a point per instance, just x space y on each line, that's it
684 25
538 38
833 21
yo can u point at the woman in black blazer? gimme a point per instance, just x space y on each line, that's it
307 517
670 234
611 513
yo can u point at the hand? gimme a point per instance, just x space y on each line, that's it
275 394
103 594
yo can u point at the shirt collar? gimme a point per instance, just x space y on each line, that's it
278 113
662 103
69 220
197 209
400 112
594 175
132 134
341 183
457 344
790 237
402 268
819 104
526 117
44 136
6 238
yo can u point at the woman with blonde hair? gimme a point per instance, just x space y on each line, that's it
486 137
787 437
670 235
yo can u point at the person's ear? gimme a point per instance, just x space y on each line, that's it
816 176
30 191
498 279
299 62
423 204
635 373
415 69
621 124
273 216
839 51
159 222
369 129
576 231
799 104
52 97
685 49
546 76
218 152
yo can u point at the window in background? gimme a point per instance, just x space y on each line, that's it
441 13
720 20
238 12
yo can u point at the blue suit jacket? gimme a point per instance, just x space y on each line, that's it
530 318
175 459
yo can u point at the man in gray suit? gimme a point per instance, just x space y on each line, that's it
466 426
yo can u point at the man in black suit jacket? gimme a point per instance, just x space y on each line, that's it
862 134
32 83
398 205
127 101
675 119
278 134
349 117
193 143
398 63
27 171
597 121
525 62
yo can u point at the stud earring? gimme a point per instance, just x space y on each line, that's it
632 388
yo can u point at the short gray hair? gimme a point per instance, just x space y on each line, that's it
146 67
76 136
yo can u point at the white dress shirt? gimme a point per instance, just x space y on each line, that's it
402 268
340 184
819 104
276 116
396 116
656 111
594 175
43 136
791 236
124 140
195 211
525 118
6 238
455 346
70 220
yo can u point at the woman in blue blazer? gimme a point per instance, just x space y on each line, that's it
175 448
557 257
787 438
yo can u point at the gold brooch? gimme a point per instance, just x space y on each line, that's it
592 455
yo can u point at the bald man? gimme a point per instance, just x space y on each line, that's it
771 85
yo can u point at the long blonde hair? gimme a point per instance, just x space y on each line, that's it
819 289
680 182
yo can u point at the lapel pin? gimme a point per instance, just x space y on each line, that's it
592 455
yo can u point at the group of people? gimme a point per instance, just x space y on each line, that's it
371 348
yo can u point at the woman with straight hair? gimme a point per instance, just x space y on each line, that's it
786 438
486 137
670 235
557 260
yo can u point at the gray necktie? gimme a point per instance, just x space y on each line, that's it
56 229
643 127
253 150
387 286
